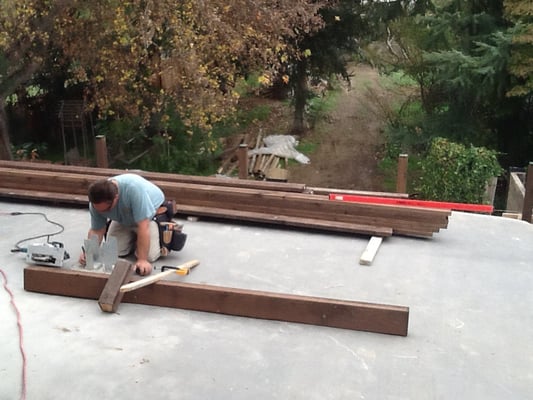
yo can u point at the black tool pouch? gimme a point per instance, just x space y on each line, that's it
170 232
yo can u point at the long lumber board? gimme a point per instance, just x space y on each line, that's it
330 191
51 197
213 212
278 219
354 315
405 219
169 177
414 221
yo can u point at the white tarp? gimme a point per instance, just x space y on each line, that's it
283 146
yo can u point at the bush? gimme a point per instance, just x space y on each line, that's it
453 172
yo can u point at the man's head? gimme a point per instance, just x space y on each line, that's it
102 194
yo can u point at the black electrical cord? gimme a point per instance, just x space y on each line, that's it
47 235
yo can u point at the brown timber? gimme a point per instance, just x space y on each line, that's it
111 295
354 315
261 203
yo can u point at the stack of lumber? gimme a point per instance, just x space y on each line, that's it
268 166
265 166
267 202
260 165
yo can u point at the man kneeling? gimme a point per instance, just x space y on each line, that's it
130 203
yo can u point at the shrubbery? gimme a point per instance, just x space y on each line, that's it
454 172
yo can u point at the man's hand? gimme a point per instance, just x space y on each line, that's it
82 259
143 267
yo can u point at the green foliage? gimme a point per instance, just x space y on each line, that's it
408 129
29 151
168 145
178 148
241 120
453 172
318 107
189 155
472 63
397 78
521 63
306 146
250 84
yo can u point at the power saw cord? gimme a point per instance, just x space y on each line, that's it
17 247
21 333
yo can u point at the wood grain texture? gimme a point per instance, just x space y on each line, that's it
354 315
111 295
260 203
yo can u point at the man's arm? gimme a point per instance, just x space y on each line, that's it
143 246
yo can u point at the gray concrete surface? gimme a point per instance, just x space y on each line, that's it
469 289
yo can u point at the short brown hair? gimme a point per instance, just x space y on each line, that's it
102 191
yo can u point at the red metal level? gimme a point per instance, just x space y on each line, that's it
479 208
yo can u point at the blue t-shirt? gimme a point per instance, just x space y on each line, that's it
138 199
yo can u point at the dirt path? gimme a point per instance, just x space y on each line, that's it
349 140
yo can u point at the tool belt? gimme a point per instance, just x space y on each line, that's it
170 232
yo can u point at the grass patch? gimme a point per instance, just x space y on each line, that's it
307 146
397 78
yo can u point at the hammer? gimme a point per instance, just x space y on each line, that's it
115 288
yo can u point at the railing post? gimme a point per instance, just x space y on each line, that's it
401 177
101 152
528 197
242 156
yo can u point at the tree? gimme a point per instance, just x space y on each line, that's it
137 57
24 40
461 55
324 53
521 63
348 24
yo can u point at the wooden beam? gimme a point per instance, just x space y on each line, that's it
354 315
242 155
101 151
111 295
329 191
401 176
310 206
410 221
201 180
51 197
279 219
528 197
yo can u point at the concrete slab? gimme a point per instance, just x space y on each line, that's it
468 289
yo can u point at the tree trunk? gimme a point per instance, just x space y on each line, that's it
300 97
5 143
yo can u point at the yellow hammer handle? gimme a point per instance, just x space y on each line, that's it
183 270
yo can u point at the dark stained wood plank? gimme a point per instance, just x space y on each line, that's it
50 197
203 180
410 221
528 197
280 219
329 191
354 315
111 295
295 205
